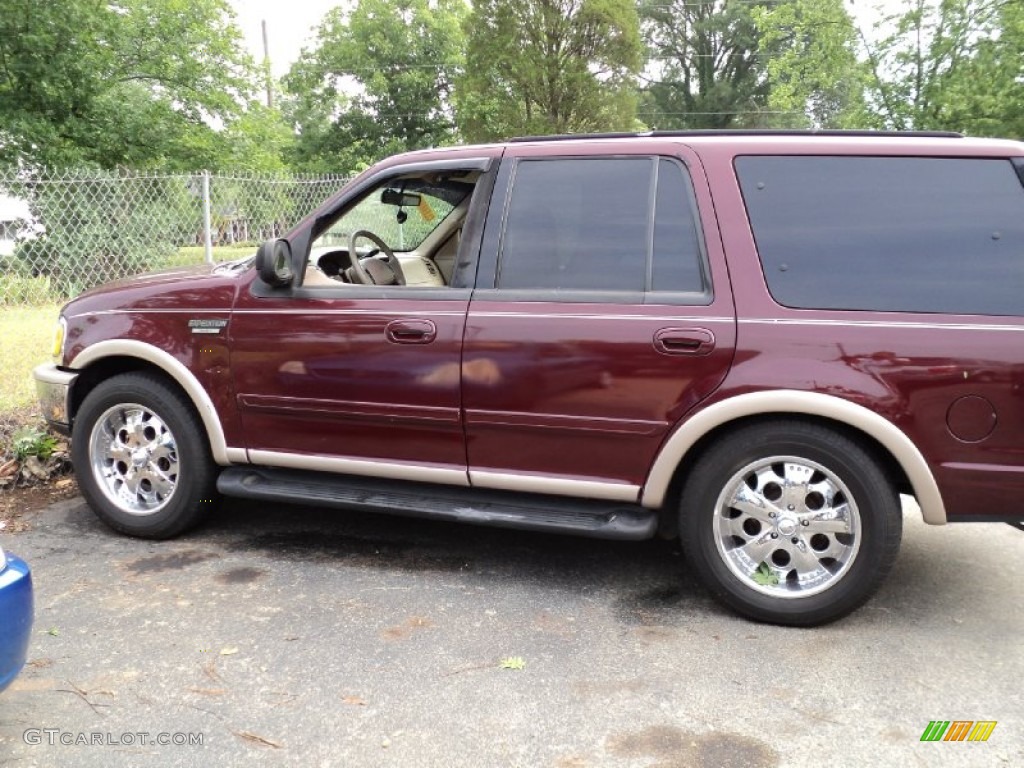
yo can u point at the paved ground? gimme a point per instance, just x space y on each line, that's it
297 636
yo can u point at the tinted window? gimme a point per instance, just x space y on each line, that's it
587 225
898 234
677 261
578 225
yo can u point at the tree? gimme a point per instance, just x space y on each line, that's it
549 66
997 107
705 67
378 81
813 77
258 139
134 83
949 64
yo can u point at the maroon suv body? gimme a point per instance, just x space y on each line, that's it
755 342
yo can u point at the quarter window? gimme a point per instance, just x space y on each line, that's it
889 233
676 264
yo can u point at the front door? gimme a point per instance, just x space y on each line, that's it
357 369
342 383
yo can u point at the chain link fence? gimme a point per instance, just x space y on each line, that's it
63 234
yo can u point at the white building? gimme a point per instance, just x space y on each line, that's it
14 216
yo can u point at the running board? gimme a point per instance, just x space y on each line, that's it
503 509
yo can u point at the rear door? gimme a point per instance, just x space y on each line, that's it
602 314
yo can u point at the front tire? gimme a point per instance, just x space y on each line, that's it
141 457
790 522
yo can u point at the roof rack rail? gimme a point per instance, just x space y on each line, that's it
742 132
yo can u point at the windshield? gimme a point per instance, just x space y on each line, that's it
402 212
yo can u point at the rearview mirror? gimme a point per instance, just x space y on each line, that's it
274 263
401 199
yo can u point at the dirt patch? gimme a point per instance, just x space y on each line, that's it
18 504
673 747
240 576
30 483
408 628
172 561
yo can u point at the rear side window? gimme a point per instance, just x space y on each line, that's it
888 233
624 224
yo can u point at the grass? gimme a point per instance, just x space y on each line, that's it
26 329
196 254
26 339
20 290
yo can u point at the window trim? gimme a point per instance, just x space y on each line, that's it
487 288
698 226
1018 165
302 242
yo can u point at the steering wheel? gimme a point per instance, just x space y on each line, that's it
360 272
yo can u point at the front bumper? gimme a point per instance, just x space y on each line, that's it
16 622
54 389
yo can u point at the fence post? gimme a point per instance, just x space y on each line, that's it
207 235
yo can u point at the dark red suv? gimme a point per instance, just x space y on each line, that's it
753 341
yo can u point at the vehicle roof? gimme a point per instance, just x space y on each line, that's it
767 141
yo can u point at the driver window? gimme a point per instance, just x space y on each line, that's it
393 234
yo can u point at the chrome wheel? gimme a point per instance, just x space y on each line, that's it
134 458
787 527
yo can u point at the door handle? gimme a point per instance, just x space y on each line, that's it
684 341
410 331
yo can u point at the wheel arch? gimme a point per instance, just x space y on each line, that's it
110 358
883 437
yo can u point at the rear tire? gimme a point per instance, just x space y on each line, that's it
790 522
142 458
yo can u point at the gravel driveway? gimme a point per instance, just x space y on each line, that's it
306 637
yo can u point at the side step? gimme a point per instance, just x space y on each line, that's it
503 509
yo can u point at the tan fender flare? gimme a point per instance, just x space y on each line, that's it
785 401
183 376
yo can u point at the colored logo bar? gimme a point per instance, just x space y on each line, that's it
958 730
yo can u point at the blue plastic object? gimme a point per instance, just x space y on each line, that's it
15 618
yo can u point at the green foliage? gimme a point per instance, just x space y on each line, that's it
984 96
379 81
258 139
765 576
105 226
147 84
813 76
132 83
29 441
549 66
26 340
706 66
193 255
19 287
949 64
513 662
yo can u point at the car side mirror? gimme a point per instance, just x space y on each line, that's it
274 263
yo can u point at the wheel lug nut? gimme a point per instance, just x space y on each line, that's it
771 514
775 535
805 522
790 507
795 540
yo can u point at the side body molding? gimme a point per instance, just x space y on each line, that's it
786 401
177 371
